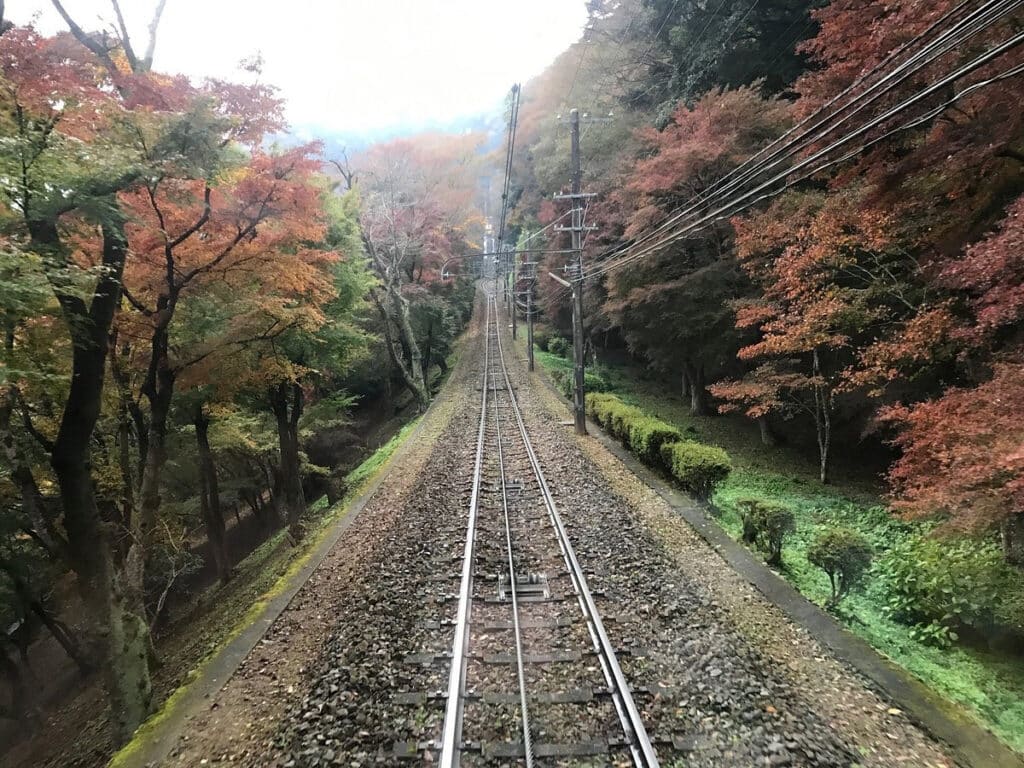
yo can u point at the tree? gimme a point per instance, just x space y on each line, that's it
961 450
71 155
844 554
694 46
830 274
416 203
189 234
675 307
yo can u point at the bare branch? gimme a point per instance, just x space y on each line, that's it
126 41
199 223
138 305
147 61
85 39
345 169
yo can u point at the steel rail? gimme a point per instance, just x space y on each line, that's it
641 748
520 666
450 737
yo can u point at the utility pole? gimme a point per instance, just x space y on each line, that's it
529 328
509 272
530 271
515 294
576 272
579 392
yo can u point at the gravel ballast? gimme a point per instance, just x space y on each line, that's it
721 676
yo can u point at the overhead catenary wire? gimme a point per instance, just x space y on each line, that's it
785 147
816 162
752 197
509 156
981 19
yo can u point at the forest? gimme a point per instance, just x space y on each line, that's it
208 327
851 337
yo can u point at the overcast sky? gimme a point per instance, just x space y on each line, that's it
352 66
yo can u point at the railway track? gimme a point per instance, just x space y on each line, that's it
533 677
467 634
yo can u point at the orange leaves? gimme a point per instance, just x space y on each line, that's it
49 79
991 272
700 144
963 453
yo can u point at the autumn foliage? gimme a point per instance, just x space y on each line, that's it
877 300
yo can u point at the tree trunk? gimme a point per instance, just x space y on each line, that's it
767 435
159 391
427 350
698 394
213 515
409 362
287 417
684 385
56 627
1011 531
120 628
23 706
272 507
32 503
822 422
64 637
127 419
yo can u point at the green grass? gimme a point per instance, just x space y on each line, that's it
365 471
989 684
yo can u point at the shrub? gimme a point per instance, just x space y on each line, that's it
592 382
541 336
942 586
647 434
599 404
595 382
844 554
619 419
766 525
559 346
698 468
562 381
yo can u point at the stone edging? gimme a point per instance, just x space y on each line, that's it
971 744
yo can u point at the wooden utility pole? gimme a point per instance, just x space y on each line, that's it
576 274
530 271
529 328
515 294
579 392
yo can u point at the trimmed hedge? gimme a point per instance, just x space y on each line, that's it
697 467
613 414
646 436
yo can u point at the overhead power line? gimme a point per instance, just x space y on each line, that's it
817 162
819 125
